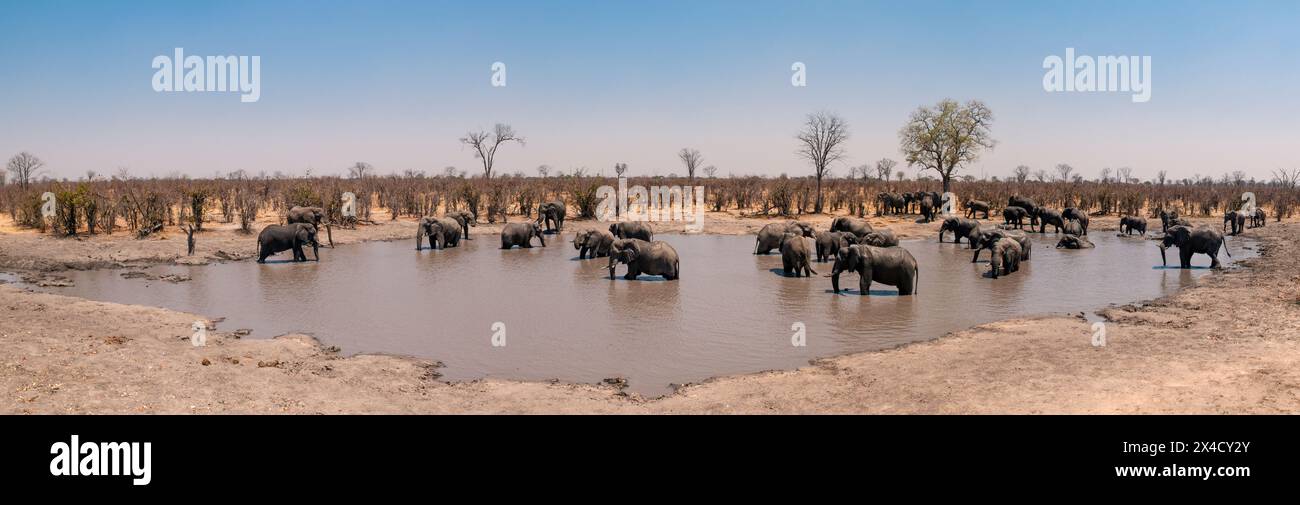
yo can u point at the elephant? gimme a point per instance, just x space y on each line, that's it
1077 215
892 202
593 243
632 229
1129 224
927 209
769 237
987 240
881 238
1258 218
830 242
439 230
1006 258
975 206
642 257
1236 219
1015 216
894 266
466 220
1202 240
1074 242
961 228
1025 203
551 213
311 215
857 226
1072 227
275 238
1048 216
794 256
521 234
1169 219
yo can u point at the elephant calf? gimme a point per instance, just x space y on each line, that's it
894 266
828 243
521 234
642 257
1015 216
794 256
974 207
961 228
276 238
1006 258
1130 224
1236 219
593 243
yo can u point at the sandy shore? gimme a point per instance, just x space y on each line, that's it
1228 345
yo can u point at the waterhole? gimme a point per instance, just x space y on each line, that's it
541 314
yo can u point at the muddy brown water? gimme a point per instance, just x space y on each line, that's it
731 312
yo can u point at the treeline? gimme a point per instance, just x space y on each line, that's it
144 206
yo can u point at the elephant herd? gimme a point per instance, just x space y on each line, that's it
850 244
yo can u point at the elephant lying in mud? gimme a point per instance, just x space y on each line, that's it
989 238
1130 224
632 229
881 238
794 256
894 266
1074 242
769 237
466 220
641 257
1006 258
593 243
857 226
521 234
829 243
276 238
1202 240
442 230
961 228
551 213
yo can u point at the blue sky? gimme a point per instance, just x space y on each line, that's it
595 83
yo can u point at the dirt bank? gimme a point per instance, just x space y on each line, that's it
1228 345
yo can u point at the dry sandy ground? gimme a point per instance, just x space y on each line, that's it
1229 345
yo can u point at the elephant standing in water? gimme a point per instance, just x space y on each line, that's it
830 242
1072 227
1129 224
1203 240
894 266
1048 216
883 237
770 236
961 228
641 257
442 230
794 256
989 238
857 226
521 234
551 213
593 244
276 238
1077 215
1015 217
1028 204
632 229
466 220
1006 258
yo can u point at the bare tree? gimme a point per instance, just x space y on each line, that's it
1160 177
1124 174
24 166
822 143
542 170
1105 174
691 158
1287 179
885 168
620 169
1063 170
945 137
485 144
361 170
710 171
1022 173
1040 175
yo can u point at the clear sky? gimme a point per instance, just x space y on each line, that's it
593 83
